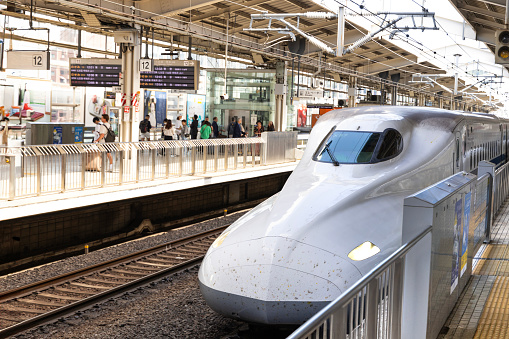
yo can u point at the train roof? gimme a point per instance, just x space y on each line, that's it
419 115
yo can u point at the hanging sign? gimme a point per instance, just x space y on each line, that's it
28 60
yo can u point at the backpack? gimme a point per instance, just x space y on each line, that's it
110 136
144 126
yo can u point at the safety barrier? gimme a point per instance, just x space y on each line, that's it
410 293
34 170
502 182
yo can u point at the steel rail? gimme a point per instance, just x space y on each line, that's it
100 296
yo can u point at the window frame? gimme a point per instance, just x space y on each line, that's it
374 159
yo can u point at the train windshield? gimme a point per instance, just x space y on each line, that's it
349 147
353 147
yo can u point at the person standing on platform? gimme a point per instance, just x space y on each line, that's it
231 128
215 128
238 130
145 127
97 129
194 127
258 130
169 131
270 127
103 131
205 130
184 133
178 127
162 129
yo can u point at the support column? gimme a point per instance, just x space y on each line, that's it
394 95
280 118
352 86
130 53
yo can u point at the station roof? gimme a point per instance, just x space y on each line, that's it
212 22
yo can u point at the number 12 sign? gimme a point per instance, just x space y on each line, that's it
145 65
28 60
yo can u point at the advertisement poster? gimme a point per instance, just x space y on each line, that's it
57 135
155 106
456 245
78 135
195 105
302 113
464 245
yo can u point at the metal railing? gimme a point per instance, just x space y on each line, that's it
371 308
502 184
34 170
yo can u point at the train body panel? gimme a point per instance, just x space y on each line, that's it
291 253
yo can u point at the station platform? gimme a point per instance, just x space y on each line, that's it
483 308
30 206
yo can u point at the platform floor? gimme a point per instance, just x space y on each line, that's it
483 308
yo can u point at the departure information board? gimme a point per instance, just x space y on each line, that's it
172 74
95 72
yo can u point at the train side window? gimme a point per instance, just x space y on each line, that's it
471 157
457 152
391 146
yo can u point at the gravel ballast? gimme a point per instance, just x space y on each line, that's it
32 275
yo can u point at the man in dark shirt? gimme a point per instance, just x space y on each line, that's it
215 127
231 128
194 127
145 127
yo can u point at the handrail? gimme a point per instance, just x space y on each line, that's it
354 290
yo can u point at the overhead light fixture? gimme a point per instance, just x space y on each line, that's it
90 19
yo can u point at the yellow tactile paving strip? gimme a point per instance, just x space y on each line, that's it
494 322
482 310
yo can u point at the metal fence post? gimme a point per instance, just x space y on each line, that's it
193 160
104 162
338 324
121 156
371 309
167 155
396 302
216 151
154 151
244 152
38 174
11 159
263 153
235 155
63 167
226 157
181 160
83 168
138 156
205 151
253 157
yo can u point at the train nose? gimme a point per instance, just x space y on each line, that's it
285 283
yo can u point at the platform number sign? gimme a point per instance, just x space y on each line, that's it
28 60
37 60
145 65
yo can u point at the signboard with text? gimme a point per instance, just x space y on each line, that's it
28 60
172 74
96 72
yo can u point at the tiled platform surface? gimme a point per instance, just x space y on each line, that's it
483 308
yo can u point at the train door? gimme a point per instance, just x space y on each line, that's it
457 159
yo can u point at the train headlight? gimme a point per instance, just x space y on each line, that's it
220 239
363 251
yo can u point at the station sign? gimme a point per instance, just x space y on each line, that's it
95 72
28 60
310 93
172 74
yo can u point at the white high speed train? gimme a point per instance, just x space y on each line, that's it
340 212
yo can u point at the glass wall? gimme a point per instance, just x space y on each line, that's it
250 97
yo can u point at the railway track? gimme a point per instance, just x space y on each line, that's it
29 306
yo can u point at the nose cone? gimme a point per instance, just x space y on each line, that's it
285 283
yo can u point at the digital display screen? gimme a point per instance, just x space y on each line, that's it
95 72
172 74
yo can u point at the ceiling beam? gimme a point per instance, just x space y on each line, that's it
229 9
387 65
483 11
175 7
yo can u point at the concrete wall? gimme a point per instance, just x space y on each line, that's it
53 233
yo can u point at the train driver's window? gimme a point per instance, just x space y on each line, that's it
392 145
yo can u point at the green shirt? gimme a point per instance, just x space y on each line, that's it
205 131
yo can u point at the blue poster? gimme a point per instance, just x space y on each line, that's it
464 245
155 106
57 135
456 245
78 135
